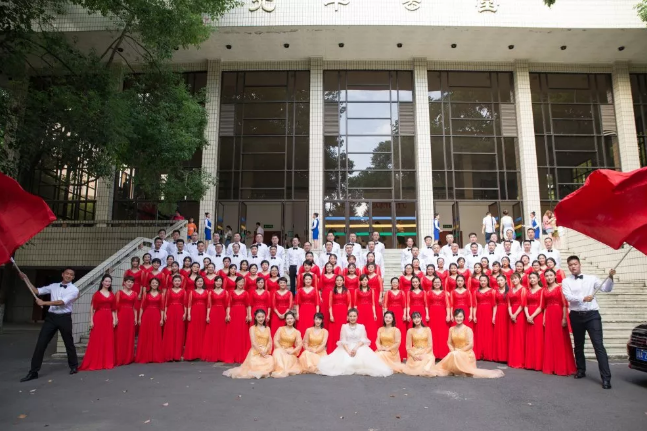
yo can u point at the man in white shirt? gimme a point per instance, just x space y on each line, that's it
335 246
515 247
211 249
171 247
334 260
507 252
275 260
491 253
473 257
165 243
489 226
427 250
549 251
379 245
379 260
534 243
58 318
218 256
348 252
307 247
454 254
370 248
200 254
415 254
192 246
447 248
180 252
242 248
158 251
579 290
295 258
254 256
259 230
280 250
324 257
357 248
236 255
433 256
495 238
406 253
263 250
527 251
473 240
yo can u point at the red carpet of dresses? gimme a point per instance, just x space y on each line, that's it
340 303
501 325
100 354
397 302
484 328
174 327
125 331
214 336
308 303
237 332
534 359
364 301
558 350
149 342
438 304
197 325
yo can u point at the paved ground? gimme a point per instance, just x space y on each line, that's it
192 396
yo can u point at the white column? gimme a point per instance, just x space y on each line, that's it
210 153
526 141
424 179
316 185
625 119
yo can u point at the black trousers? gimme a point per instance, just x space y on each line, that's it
55 322
591 322
293 279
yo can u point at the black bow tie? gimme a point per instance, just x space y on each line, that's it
194 244
273 258
508 254
156 251
475 255
455 254
179 252
64 286
580 277
408 249
531 240
436 254
217 255
429 247
254 257
200 254
328 254
549 251
491 252
235 255
295 248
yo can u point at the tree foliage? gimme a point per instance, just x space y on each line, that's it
61 104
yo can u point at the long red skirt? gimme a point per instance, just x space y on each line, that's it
149 342
534 359
501 327
558 351
306 318
237 342
174 328
100 354
339 312
365 317
439 330
125 337
195 332
517 342
484 333
214 336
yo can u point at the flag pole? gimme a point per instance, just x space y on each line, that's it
20 272
614 268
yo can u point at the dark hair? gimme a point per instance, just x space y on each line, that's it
101 283
318 316
550 270
309 275
415 277
238 278
133 259
290 313
505 293
177 276
487 279
392 315
396 279
260 311
571 258
351 310
259 279
282 279
417 314
129 278
463 277
343 286
156 260
180 240
441 283
459 311
362 277
538 278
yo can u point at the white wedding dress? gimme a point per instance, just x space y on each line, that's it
365 362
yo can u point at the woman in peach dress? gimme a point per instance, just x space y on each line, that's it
287 346
461 360
420 355
315 342
259 362
388 342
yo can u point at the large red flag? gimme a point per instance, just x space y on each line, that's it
22 215
610 207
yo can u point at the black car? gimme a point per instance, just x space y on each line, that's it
637 348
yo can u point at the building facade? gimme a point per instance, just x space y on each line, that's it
379 114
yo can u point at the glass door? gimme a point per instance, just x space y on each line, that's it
220 220
517 216
406 224
494 210
359 221
242 221
382 222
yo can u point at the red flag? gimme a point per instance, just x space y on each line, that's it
22 215
610 207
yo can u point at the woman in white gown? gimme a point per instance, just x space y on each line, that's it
353 354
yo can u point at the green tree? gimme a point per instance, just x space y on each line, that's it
60 104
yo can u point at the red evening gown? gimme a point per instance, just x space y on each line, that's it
465 301
377 286
364 301
558 350
214 336
125 332
417 301
325 287
237 342
250 284
405 284
137 286
339 303
484 329
438 305
443 276
397 303
501 326
262 301
308 303
280 303
272 286
450 284
149 342
517 330
507 272
100 354
174 327
535 333
427 284
209 283
197 325
352 284
229 284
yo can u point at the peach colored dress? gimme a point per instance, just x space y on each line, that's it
420 346
255 365
391 357
286 364
309 361
463 363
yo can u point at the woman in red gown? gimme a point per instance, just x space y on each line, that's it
264 272
417 301
151 320
214 335
175 270
210 277
272 282
485 305
517 329
146 266
366 314
100 354
156 272
518 269
474 282
127 322
428 280
191 279
261 299
169 265
281 304
417 270
243 271
136 273
558 350
196 314
340 303
175 302
440 312
377 286
186 266
485 264
206 262
501 320
541 258
506 269
230 280
250 285
527 267
239 315
463 299
441 272
224 272
559 274
496 271
450 282
325 287
307 303
535 329
395 300
405 278
307 269
370 258
351 280
461 269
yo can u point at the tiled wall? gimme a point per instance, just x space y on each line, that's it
625 119
316 185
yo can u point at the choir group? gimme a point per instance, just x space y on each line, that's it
501 303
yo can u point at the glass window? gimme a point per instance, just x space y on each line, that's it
368 110
359 93
639 91
367 144
258 144
475 162
264 110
